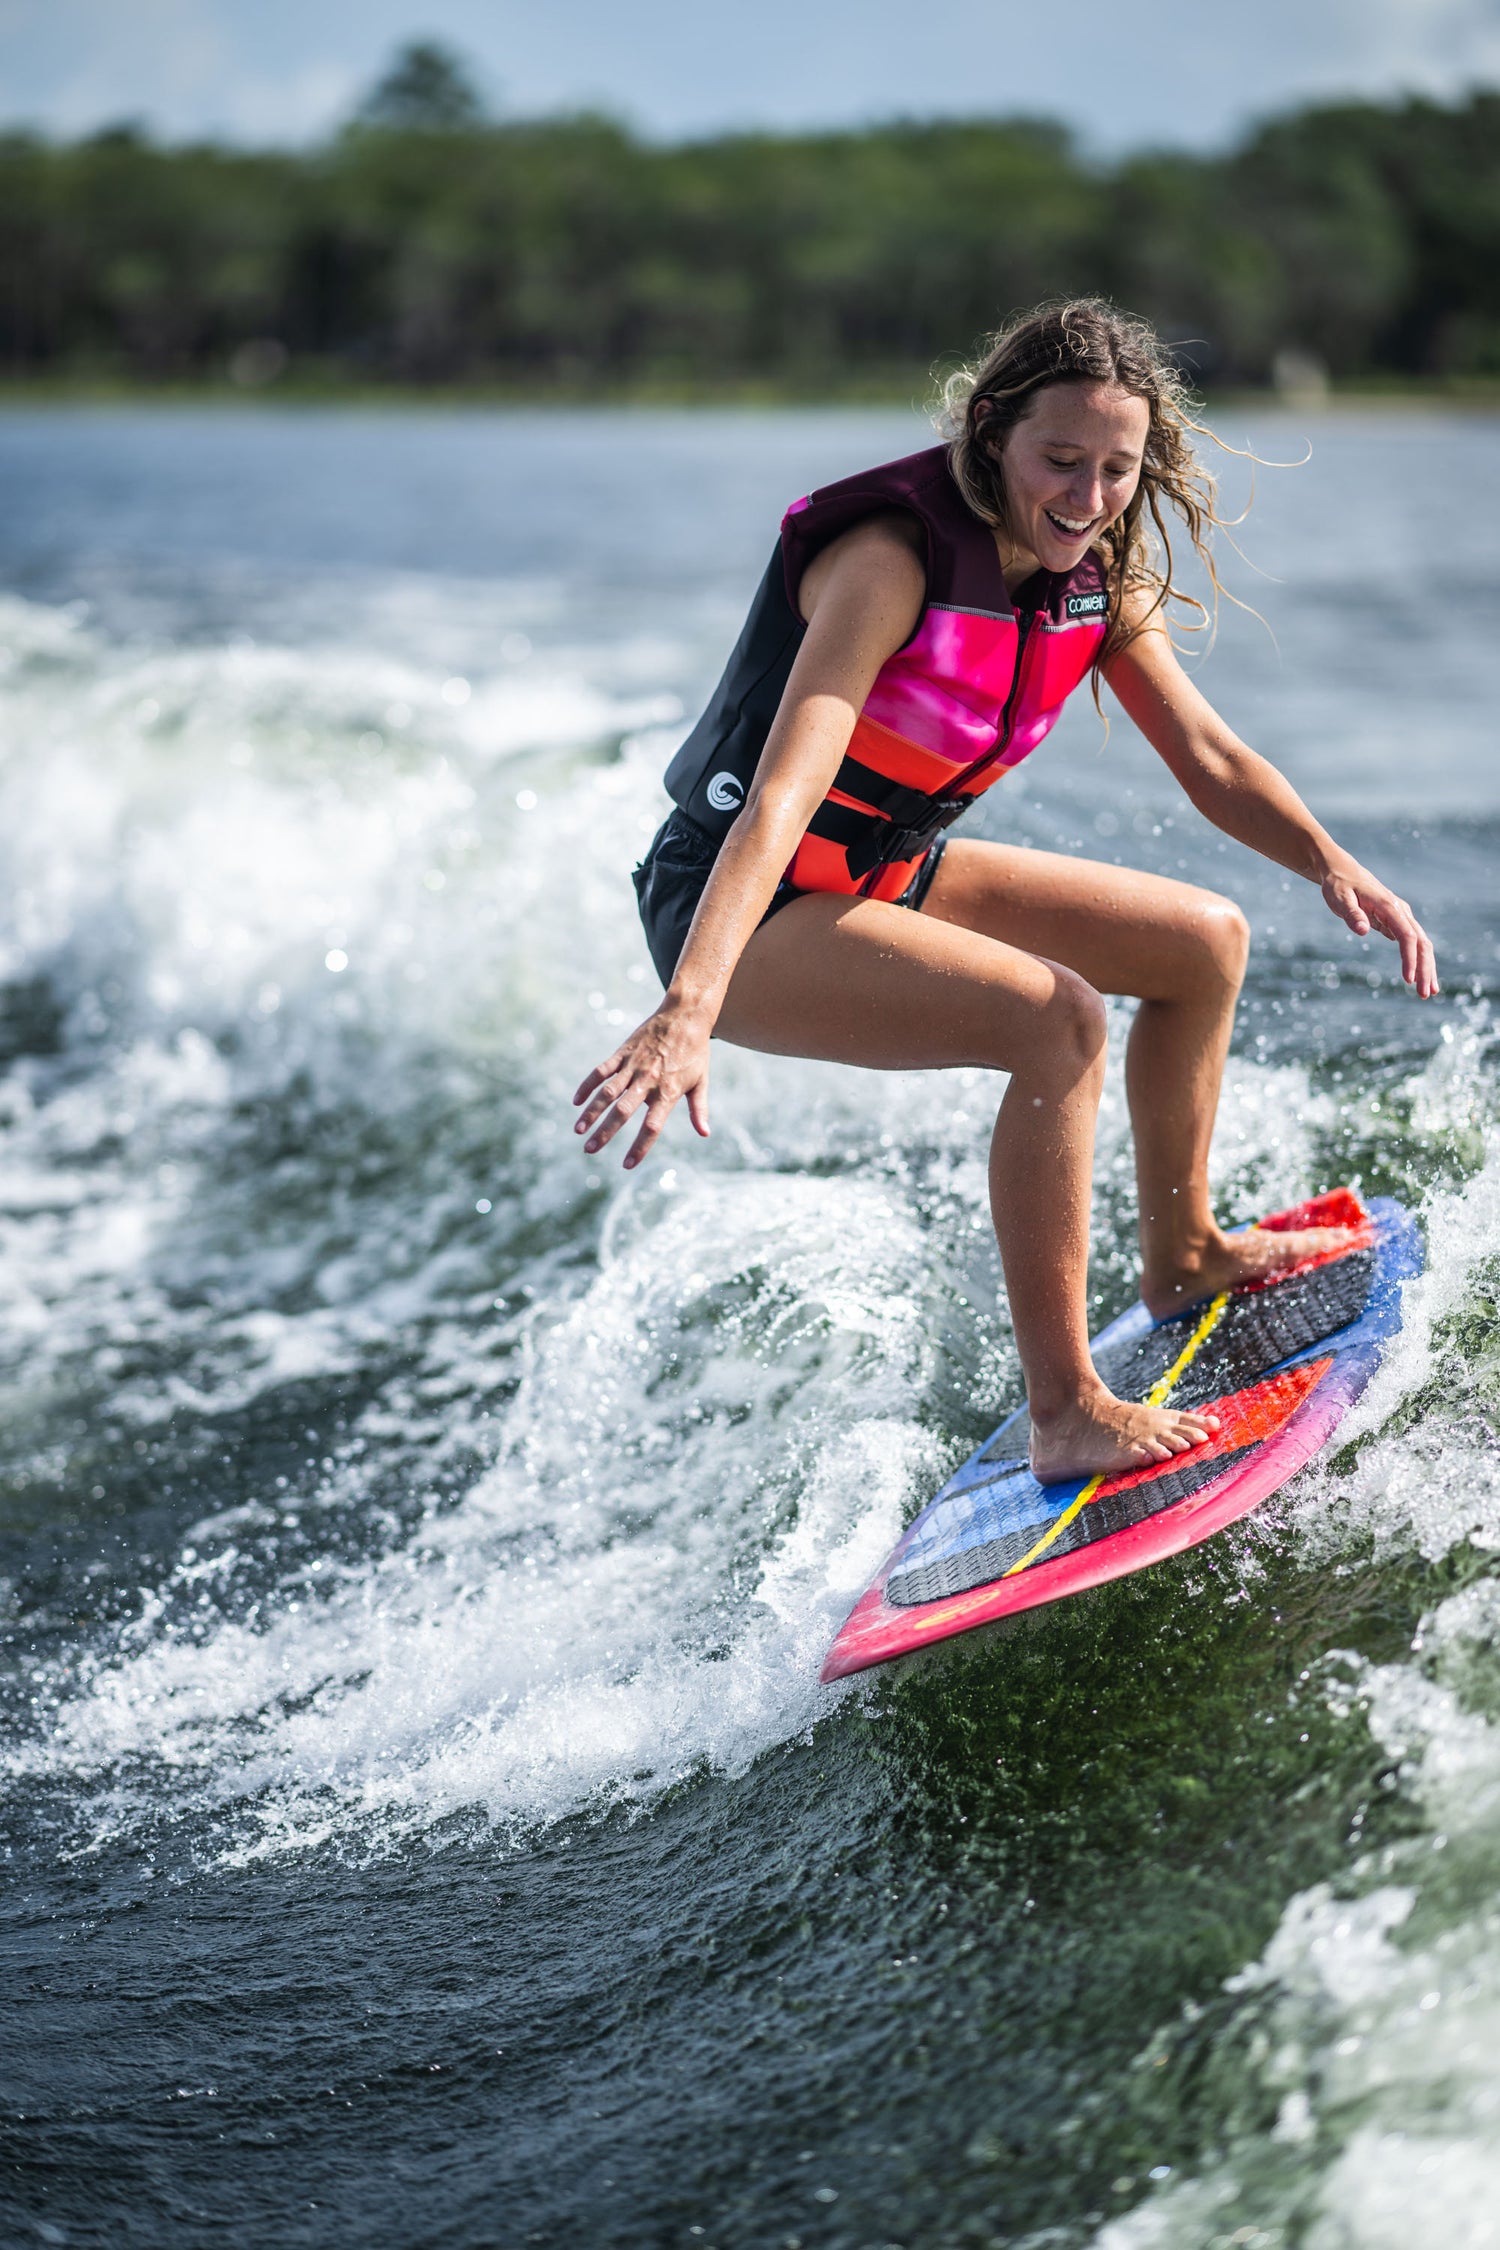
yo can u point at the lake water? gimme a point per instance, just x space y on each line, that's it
421 1822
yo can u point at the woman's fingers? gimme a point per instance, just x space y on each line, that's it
1367 906
662 1059
624 1108
617 1109
1409 940
597 1076
656 1115
1346 903
609 1091
614 1105
1418 961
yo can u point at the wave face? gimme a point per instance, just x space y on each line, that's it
385 1491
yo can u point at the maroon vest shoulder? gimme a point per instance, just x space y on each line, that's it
963 566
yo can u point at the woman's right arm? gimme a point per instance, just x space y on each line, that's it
862 597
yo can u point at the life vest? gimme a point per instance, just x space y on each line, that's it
981 681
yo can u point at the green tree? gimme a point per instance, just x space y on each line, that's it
426 90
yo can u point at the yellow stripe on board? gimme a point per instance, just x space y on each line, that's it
1161 1389
1061 1524
1158 1395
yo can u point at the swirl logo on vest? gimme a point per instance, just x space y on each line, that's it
726 792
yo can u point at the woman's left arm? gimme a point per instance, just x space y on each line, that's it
1244 795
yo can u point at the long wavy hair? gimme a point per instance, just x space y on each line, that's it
1087 340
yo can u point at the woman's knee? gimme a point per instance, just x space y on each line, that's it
1228 940
1218 942
1083 1017
1067 1032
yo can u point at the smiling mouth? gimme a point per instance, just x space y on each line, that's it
1069 528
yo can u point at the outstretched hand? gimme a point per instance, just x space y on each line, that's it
664 1061
1354 895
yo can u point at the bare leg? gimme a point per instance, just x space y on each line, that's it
1181 951
854 981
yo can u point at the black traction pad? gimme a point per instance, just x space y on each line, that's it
933 1579
1257 1330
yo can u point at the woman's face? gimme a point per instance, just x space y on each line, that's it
1071 466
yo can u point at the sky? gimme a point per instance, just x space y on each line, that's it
1185 73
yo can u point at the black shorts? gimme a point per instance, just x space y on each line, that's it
669 883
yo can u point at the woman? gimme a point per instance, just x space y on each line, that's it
916 636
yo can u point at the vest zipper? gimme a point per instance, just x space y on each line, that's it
1008 715
1025 624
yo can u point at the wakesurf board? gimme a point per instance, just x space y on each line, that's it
1281 1362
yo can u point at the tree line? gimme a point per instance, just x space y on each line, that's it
426 243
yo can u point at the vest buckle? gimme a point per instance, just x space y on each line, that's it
890 845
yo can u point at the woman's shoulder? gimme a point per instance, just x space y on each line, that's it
884 553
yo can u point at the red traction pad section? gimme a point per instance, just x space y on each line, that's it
1244 1419
1341 1208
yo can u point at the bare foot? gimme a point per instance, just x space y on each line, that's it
1256 1255
1103 1433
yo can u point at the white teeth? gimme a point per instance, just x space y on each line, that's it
1065 524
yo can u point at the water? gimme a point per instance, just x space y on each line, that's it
421 1819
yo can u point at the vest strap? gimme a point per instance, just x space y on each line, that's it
902 825
899 802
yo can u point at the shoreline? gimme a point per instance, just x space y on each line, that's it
1471 395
